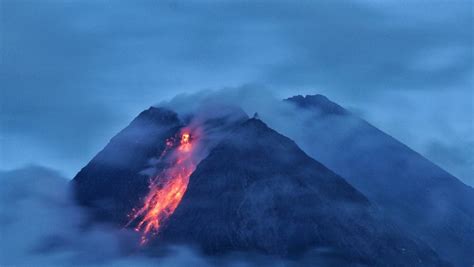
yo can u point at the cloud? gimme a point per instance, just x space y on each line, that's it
427 128
75 72
435 126
41 225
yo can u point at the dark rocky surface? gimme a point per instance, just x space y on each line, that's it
113 182
116 180
255 191
258 192
421 197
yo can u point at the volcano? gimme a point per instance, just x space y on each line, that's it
257 191
252 189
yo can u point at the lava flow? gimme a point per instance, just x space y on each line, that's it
166 188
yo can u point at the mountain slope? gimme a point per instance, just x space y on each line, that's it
257 191
113 182
421 197
116 180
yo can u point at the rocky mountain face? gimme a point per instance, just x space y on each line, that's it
116 180
258 192
113 182
254 191
418 195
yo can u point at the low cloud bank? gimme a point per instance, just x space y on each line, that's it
40 225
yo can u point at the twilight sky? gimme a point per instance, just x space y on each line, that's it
73 73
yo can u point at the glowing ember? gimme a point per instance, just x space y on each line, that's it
166 189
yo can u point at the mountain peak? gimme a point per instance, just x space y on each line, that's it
254 190
319 103
415 193
258 191
255 122
158 114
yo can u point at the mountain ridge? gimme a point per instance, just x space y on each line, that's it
116 181
417 193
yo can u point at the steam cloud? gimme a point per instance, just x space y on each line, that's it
428 138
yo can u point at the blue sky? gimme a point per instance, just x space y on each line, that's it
73 73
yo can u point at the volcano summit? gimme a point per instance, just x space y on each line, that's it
226 183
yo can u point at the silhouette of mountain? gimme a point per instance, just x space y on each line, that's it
256 191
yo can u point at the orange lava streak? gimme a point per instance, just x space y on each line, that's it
166 189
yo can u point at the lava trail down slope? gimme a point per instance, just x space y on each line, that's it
248 189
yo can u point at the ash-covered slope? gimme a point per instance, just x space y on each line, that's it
421 197
257 191
113 182
116 180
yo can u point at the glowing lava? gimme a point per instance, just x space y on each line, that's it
166 188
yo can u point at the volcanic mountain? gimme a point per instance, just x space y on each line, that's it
418 195
257 191
252 190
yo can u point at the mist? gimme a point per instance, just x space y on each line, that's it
41 225
428 138
76 72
